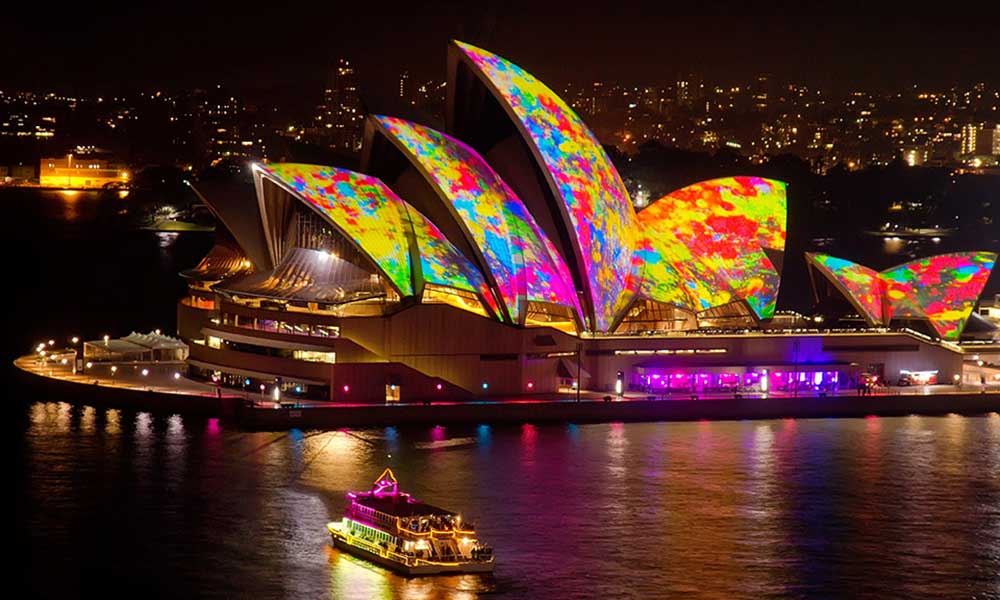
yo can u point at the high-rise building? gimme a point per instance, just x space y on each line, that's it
761 93
970 133
207 125
339 119
404 86
996 140
684 93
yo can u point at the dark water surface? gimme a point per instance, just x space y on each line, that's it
903 507
109 503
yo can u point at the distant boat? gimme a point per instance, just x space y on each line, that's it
177 226
452 443
393 529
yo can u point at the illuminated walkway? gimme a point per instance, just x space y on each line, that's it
167 377
162 377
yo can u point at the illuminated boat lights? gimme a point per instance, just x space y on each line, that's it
395 530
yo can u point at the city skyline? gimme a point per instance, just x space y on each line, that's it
140 48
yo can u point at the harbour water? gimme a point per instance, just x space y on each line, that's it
117 502
120 502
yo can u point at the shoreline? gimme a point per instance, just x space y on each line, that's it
588 410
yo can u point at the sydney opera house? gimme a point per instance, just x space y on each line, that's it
503 257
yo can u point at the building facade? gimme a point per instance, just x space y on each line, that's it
83 171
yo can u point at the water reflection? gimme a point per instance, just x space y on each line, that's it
166 239
879 507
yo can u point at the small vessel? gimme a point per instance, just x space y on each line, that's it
395 530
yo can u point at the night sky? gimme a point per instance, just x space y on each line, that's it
280 53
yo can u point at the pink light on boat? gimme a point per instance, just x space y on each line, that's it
386 484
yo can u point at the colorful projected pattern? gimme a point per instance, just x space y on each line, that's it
498 223
361 206
703 245
441 263
862 285
942 288
598 207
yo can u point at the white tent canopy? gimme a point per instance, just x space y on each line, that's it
150 346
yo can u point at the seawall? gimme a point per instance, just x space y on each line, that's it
632 410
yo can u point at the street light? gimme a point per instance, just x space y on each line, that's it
114 369
145 372
76 340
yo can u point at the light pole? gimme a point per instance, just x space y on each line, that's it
77 357
795 372
579 368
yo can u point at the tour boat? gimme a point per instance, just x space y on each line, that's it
394 529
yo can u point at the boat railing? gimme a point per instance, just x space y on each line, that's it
410 561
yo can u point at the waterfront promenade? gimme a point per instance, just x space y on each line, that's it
163 389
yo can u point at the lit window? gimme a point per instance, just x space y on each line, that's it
312 356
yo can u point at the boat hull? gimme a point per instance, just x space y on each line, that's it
412 570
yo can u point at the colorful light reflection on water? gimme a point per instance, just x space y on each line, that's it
715 509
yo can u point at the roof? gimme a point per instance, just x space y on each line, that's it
234 204
860 285
942 289
440 263
309 276
154 340
363 208
138 342
703 245
221 262
595 207
521 263
402 243
401 505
